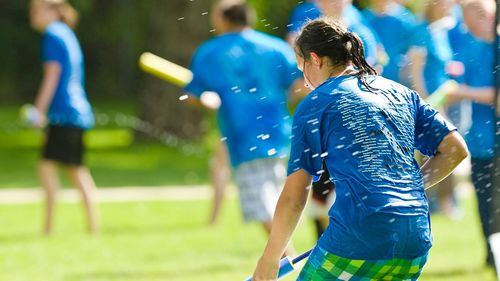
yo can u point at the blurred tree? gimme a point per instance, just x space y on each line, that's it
113 34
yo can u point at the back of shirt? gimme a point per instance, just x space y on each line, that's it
252 73
367 139
69 106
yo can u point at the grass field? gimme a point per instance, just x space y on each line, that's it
114 157
169 241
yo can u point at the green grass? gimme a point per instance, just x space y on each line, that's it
169 241
114 157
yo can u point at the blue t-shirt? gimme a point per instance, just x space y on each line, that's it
69 106
435 40
479 60
367 140
251 72
354 22
301 14
401 23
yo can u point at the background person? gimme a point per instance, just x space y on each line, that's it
62 98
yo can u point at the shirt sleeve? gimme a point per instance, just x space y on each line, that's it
197 86
52 49
430 127
306 148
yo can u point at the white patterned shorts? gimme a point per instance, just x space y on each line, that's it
259 184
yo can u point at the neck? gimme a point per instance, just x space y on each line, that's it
337 71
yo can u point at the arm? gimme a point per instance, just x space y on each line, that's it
418 57
484 95
450 153
292 201
51 76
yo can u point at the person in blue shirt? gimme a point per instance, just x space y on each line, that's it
366 129
478 87
340 10
62 104
394 25
251 72
305 11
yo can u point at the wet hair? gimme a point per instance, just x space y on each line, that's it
328 38
237 12
67 13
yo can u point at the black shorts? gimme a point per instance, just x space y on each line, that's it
64 145
322 188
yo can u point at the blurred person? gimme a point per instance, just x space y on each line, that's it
252 73
394 24
305 11
478 87
379 224
62 98
432 63
374 51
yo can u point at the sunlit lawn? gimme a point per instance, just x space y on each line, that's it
114 156
169 241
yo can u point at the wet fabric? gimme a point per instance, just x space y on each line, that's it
367 140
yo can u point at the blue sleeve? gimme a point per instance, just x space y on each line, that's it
306 149
52 49
430 127
197 86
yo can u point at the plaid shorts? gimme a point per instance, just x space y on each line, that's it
259 184
326 266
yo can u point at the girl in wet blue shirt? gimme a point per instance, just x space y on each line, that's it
365 128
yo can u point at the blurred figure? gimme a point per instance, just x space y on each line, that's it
478 87
305 11
251 72
432 62
342 10
62 98
394 25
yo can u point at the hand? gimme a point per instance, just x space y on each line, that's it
455 95
40 120
266 270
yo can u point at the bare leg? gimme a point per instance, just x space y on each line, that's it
445 197
82 179
290 251
220 177
47 174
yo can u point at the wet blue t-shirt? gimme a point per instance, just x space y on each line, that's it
479 60
401 23
367 140
69 106
251 72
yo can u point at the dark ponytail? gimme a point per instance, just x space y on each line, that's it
329 38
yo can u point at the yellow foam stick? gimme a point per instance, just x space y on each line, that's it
164 69
439 97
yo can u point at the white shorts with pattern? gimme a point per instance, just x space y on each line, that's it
259 184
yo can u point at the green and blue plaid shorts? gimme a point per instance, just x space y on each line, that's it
323 265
